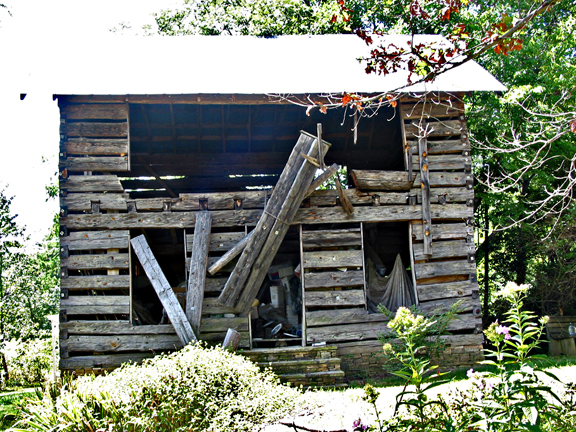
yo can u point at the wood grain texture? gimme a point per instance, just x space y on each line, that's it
349 278
101 282
95 146
442 162
95 129
197 269
435 129
446 290
331 238
218 241
102 361
444 268
89 305
381 180
163 289
95 163
332 259
466 304
92 240
107 111
335 298
221 200
114 328
322 178
444 146
232 253
92 183
445 249
445 231
347 332
96 262
321 318
120 343
83 201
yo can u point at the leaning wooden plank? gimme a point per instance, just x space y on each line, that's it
100 282
446 290
113 328
230 255
197 273
95 129
381 180
119 343
87 240
330 238
95 163
335 298
232 340
83 201
95 146
425 184
445 231
238 278
93 183
445 249
279 229
332 259
334 279
88 305
322 178
95 262
348 332
344 201
342 316
95 111
444 268
163 289
102 361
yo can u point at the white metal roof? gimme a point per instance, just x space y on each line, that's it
121 65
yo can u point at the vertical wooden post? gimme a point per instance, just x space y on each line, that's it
303 286
197 274
425 184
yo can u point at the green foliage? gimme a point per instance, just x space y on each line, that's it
510 397
195 389
29 362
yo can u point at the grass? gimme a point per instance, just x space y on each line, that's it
9 404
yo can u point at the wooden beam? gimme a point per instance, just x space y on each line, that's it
230 255
425 184
197 274
322 178
346 204
164 290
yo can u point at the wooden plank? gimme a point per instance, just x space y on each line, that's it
381 180
101 361
163 289
100 282
95 129
83 201
95 262
322 178
444 146
197 273
235 286
211 306
449 195
215 285
349 278
120 343
329 197
222 218
348 332
209 325
332 259
218 241
381 214
225 259
445 249
221 200
344 201
425 185
87 240
443 179
95 163
446 231
413 111
113 328
444 268
442 162
342 316
446 290
335 298
331 238
95 146
92 183
95 111
88 305
436 307
465 322
435 129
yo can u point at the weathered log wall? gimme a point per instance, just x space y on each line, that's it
98 211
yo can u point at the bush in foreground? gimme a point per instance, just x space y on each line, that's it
195 389
29 362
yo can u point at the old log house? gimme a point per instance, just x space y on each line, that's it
187 207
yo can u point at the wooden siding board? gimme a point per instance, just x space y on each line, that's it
332 259
95 262
349 278
335 298
95 163
103 282
87 240
92 183
95 146
119 343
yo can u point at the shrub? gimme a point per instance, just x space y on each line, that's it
195 389
29 362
